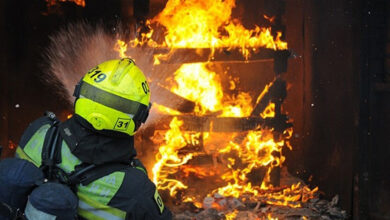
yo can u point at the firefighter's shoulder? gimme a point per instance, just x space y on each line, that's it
138 196
41 124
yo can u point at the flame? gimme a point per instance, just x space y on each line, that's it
269 111
200 172
121 48
193 201
206 24
165 110
198 24
11 145
270 19
231 215
168 157
257 150
51 3
269 217
197 83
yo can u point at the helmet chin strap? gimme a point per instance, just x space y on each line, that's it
140 117
142 114
76 92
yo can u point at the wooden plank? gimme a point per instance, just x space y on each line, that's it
225 124
192 55
171 100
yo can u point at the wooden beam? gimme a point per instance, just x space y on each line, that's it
193 55
171 100
225 124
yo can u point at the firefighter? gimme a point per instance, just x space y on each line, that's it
112 101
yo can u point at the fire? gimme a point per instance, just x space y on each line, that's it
197 83
11 145
168 159
121 48
269 111
235 156
206 24
231 216
201 172
269 217
51 3
257 150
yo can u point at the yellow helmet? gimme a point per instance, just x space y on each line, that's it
114 96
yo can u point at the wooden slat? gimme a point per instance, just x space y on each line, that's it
191 55
225 124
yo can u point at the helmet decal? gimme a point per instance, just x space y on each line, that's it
122 124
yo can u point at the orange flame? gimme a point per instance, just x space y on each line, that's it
197 83
232 215
269 111
206 24
198 24
168 159
269 217
51 3
11 145
258 149
121 48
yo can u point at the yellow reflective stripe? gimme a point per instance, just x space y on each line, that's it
69 161
34 146
97 208
99 214
88 215
159 201
142 169
104 189
21 154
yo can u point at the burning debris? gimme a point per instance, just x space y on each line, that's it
52 3
314 209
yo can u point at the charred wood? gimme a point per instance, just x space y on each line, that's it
193 55
173 101
227 124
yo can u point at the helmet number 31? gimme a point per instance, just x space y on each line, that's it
97 76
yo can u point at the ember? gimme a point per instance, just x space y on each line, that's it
11 145
51 3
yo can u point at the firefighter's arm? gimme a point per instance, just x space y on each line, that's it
149 206
139 198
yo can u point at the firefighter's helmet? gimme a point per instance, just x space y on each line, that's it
114 96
